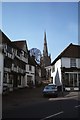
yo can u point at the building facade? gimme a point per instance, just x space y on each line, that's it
14 64
15 60
66 68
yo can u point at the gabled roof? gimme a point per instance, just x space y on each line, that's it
5 39
21 45
31 61
72 51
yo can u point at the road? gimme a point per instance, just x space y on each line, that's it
51 109
43 108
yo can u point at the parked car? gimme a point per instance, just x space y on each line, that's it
50 90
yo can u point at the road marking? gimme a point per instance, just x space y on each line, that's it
77 106
52 115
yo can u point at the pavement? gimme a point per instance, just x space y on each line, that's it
67 95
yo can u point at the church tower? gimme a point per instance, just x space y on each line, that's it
45 60
45 50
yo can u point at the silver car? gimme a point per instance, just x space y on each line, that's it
50 90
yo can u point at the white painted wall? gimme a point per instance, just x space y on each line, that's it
30 73
1 72
57 73
27 69
63 62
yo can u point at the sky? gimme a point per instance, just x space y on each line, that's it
29 20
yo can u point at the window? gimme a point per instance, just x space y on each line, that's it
30 68
18 53
9 49
23 53
5 78
72 62
10 79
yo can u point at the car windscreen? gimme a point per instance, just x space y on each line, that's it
50 87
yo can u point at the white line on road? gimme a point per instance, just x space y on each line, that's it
77 106
52 115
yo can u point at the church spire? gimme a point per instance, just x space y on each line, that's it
45 50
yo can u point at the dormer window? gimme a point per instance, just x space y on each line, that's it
18 53
72 62
9 49
22 53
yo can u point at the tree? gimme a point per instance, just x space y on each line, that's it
36 53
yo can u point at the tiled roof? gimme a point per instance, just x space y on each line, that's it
21 44
72 51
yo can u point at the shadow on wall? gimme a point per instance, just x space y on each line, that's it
57 78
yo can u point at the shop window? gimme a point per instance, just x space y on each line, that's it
66 81
75 80
71 79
